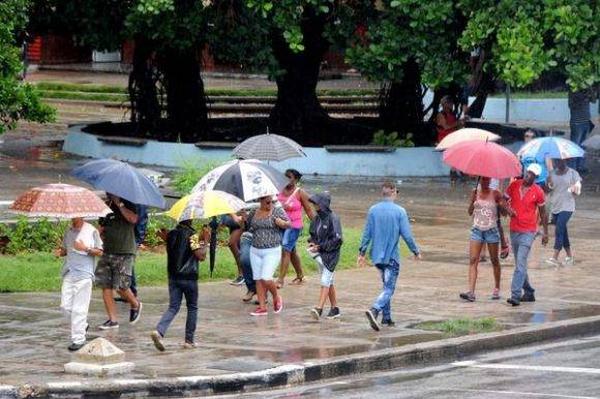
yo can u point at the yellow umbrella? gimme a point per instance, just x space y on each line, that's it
205 204
466 134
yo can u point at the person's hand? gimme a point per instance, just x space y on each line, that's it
545 239
80 246
418 257
58 252
280 222
205 234
361 261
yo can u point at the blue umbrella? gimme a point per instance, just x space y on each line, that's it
550 147
121 179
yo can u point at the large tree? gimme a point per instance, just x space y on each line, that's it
18 100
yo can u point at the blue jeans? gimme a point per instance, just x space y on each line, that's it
579 132
389 276
177 290
561 239
521 245
245 244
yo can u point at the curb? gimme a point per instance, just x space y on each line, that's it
288 375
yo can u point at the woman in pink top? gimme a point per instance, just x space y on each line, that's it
484 207
293 200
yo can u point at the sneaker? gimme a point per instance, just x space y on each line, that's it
495 294
569 261
528 298
109 325
259 312
239 280
134 314
389 323
278 304
514 302
157 339
334 313
75 347
372 315
248 297
189 345
553 262
467 296
316 313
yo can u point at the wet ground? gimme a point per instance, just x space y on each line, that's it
33 336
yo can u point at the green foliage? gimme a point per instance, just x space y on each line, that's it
458 327
18 100
27 236
391 139
186 178
155 224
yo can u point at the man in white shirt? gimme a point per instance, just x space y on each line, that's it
81 244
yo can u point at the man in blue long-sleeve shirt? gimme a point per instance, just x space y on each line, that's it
386 222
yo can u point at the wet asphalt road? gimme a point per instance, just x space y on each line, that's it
568 369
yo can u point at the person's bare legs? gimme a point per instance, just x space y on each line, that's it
297 266
109 303
494 258
323 296
127 294
283 268
261 293
269 286
474 254
332 297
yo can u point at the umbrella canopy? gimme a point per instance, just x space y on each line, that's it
466 134
62 201
205 204
551 147
246 179
592 143
481 158
121 179
268 147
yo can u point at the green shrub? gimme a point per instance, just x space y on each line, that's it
27 236
186 178
380 137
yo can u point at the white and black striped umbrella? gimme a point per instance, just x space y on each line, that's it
246 179
268 147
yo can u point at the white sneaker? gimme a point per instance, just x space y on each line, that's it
553 262
569 261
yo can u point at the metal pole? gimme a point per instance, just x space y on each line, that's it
507 116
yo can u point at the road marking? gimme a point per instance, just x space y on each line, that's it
541 395
580 370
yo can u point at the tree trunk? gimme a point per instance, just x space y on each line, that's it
187 112
297 112
145 106
401 105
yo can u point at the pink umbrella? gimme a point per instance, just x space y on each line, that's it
483 158
62 201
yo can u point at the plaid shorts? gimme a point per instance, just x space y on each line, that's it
114 271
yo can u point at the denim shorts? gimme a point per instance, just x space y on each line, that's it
491 236
290 237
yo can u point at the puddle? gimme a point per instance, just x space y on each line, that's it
539 317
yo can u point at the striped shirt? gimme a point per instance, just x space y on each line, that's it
579 105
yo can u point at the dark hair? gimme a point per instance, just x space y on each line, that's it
389 185
297 175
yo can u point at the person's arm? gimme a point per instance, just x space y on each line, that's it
406 234
310 212
472 202
544 219
199 247
281 219
365 240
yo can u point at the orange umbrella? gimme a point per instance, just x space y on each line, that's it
62 201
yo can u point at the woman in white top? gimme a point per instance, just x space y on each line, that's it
564 183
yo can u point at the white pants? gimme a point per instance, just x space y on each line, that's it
264 262
75 302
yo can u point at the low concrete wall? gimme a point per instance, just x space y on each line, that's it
406 162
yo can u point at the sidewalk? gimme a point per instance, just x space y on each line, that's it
232 341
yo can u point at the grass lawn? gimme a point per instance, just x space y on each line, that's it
40 271
456 327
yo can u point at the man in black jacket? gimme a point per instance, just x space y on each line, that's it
184 249
324 246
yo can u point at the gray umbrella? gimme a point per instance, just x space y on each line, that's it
268 147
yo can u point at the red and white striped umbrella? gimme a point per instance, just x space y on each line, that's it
62 201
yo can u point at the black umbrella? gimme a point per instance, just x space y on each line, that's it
214 225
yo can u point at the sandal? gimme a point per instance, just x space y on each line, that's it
298 281
279 284
504 252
